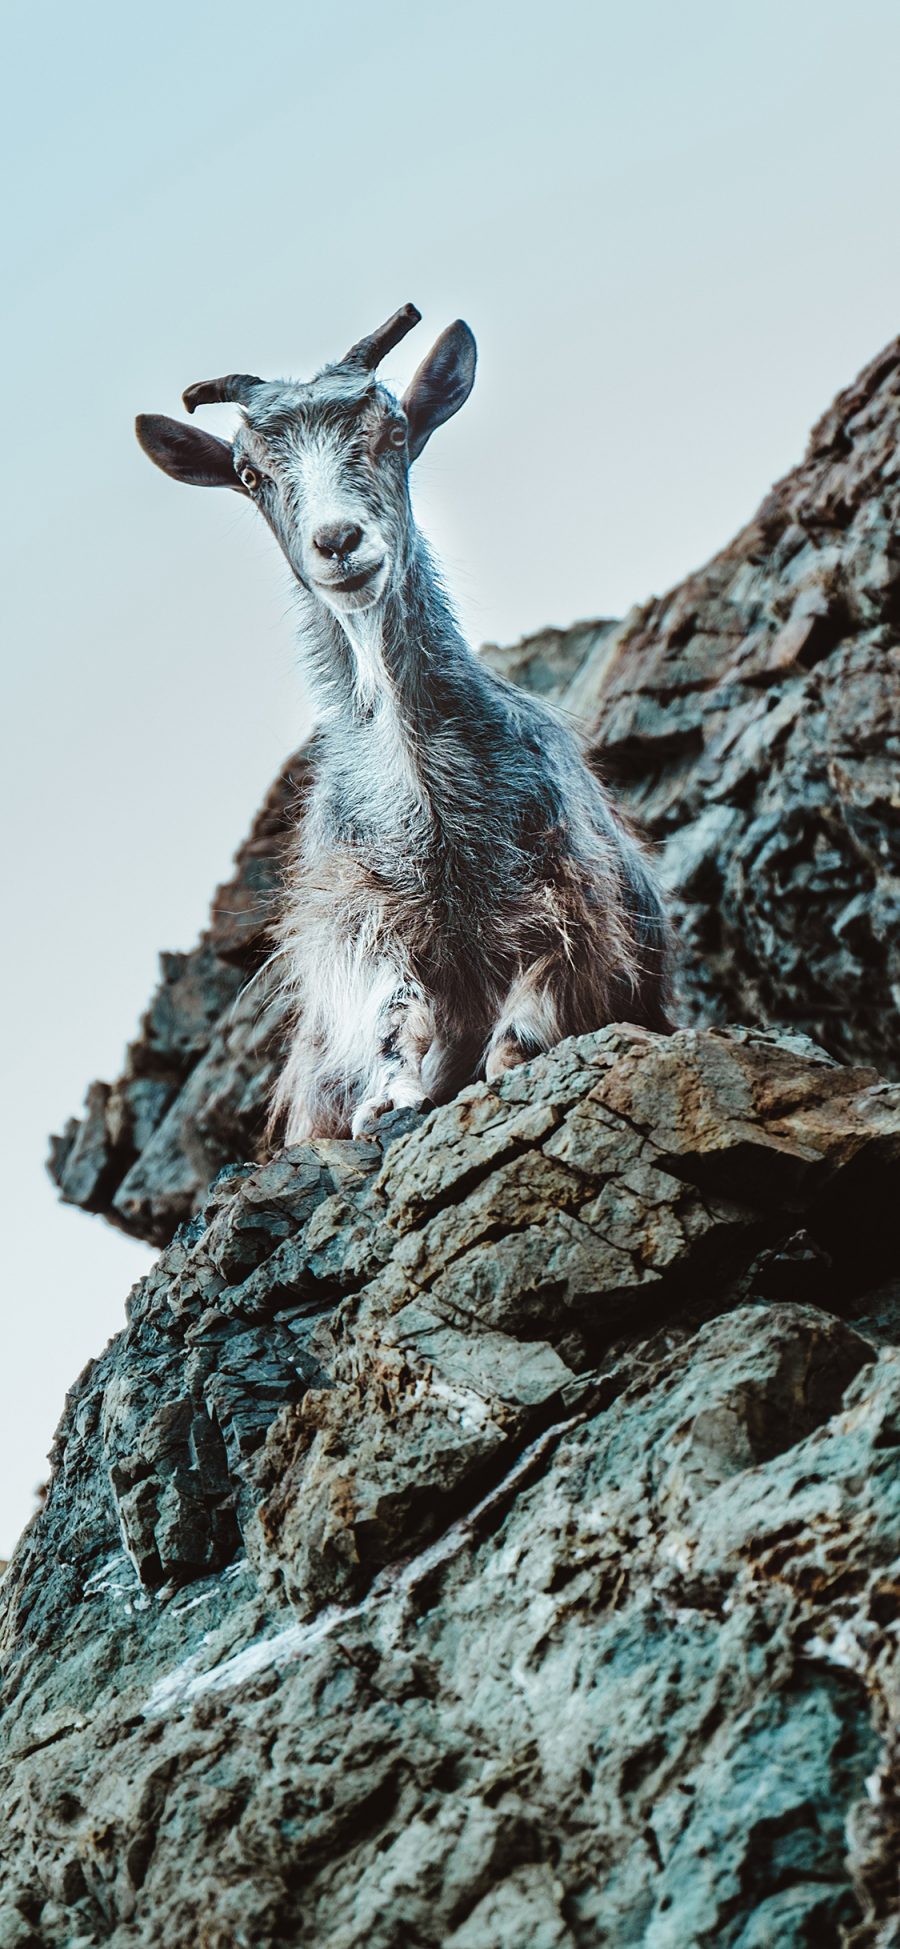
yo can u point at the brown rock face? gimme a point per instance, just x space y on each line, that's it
489 1538
754 716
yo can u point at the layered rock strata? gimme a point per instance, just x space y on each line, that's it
487 1541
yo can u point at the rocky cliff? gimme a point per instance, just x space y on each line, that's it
491 1537
750 720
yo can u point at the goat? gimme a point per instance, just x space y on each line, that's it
463 893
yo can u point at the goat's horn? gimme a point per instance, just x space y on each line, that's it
235 386
369 352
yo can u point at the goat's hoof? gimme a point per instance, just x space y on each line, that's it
368 1119
507 1054
365 1120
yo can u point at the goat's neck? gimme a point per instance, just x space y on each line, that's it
393 677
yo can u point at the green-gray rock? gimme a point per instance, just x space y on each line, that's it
490 1542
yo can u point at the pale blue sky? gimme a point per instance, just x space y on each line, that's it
674 233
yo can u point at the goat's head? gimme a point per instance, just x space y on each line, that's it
326 461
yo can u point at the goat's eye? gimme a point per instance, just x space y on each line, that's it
392 434
249 479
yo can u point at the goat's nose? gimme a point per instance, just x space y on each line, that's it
339 538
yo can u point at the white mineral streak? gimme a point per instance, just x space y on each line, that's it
469 1409
108 1577
849 1644
117 1577
189 1680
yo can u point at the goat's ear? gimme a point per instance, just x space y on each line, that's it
441 386
186 452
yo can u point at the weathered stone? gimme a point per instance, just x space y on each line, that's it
548 662
752 716
512 1524
194 1093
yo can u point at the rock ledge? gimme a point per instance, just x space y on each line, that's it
489 1540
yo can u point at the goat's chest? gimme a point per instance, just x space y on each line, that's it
457 919
456 896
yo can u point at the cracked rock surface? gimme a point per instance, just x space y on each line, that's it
488 1538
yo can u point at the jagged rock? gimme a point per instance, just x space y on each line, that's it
751 721
511 1529
548 662
753 715
195 1088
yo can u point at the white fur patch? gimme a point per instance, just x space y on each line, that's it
348 989
362 628
319 474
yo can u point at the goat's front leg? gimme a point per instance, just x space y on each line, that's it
529 1022
403 1032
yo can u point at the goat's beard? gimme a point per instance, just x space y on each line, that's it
364 633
